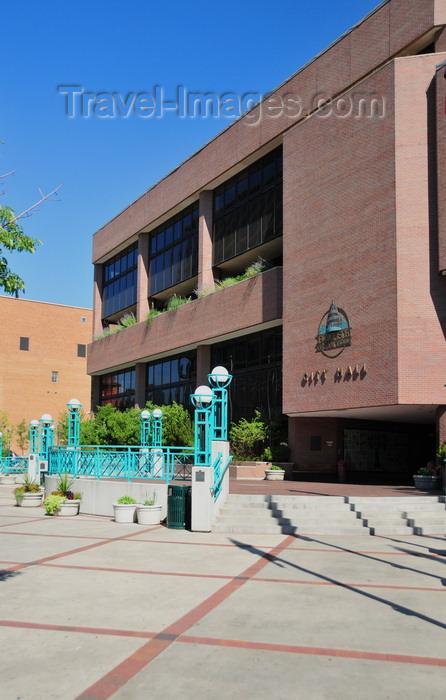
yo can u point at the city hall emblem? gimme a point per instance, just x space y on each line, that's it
334 332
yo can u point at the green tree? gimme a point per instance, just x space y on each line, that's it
247 438
22 430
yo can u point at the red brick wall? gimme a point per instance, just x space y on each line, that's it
386 32
54 332
241 307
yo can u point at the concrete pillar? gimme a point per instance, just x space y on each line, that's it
140 385
97 301
205 274
203 363
441 425
142 303
95 393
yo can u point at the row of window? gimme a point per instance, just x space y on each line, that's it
247 213
24 345
254 361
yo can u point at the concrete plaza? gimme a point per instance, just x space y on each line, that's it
94 609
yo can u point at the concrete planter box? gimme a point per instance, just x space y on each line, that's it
426 483
31 499
69 507
274 474
125 512
148 515
7 479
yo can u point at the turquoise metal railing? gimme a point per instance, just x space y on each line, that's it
101 461
219 472
13 465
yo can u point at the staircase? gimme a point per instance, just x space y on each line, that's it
335 515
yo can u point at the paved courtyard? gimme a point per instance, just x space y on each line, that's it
93 609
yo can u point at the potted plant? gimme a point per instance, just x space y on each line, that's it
29 494
70 500
149 513
125 509
52 504
426 479
274 473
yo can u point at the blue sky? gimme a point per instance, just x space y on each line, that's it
115 47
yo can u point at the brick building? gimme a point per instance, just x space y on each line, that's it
333 179
43 359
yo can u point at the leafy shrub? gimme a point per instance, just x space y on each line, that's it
52 503
247 438
127 500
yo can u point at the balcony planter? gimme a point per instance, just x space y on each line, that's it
148 515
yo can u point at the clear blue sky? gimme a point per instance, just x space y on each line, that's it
109 46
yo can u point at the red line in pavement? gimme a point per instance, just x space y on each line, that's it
115 679
315 651
145 653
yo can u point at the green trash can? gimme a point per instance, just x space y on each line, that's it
178 506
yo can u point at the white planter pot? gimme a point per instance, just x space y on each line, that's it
69 507
7 479
125 512
31 500
274 474
148 515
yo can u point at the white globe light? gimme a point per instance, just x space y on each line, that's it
204 393
73 404
46 418
219 375
145 414
157 413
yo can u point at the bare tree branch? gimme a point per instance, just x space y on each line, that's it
44 197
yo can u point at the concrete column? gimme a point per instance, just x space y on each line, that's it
140 385
142 303
203 363
95 392
97 301
205 274
441 425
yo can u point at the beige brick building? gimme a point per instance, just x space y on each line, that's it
337 180
43 359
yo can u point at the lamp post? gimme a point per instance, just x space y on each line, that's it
74 422
202 401
34 437
157 427
220 379
46 435
144 428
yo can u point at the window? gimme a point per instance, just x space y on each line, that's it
81 350
119 282
54 377
173 251
248 208
255 361
24 343
172 379
118 389
83 319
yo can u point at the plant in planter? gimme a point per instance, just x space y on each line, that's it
64 488
274 473
149 513
125 509
29 493
426 479
52 503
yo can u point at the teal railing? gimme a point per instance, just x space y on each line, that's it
101 461
13 465
219 472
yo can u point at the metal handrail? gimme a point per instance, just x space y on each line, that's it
219 473
13 465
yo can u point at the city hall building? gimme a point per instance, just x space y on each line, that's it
336 180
